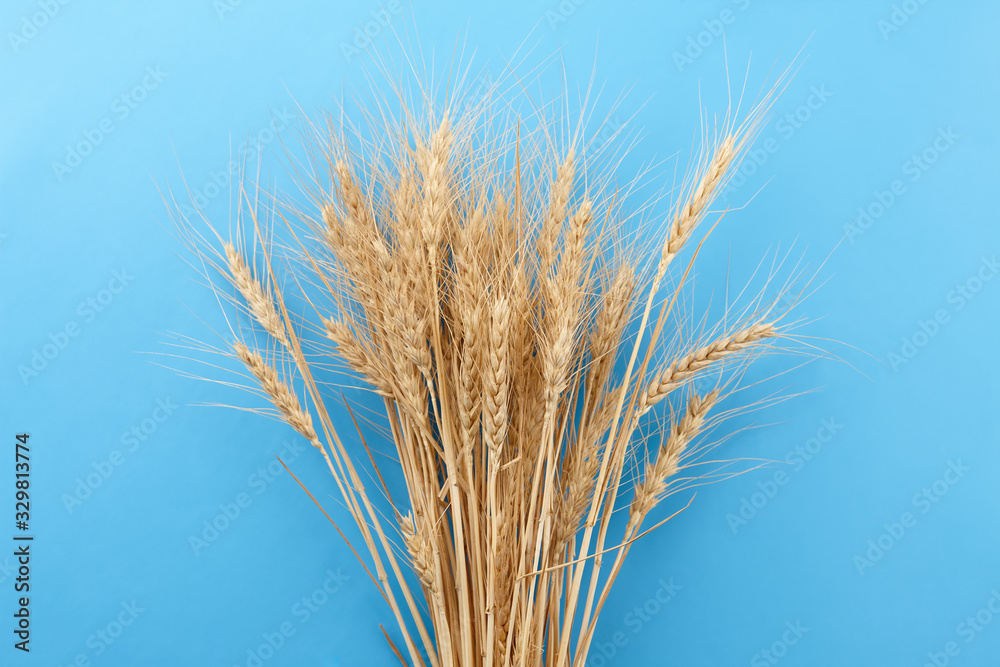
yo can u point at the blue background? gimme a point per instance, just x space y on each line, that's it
229 74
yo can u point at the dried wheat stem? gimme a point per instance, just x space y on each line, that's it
690 211
650 491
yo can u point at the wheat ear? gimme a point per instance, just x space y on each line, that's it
278 392
668 458
681 370
261 305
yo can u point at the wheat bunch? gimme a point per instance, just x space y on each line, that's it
473 273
